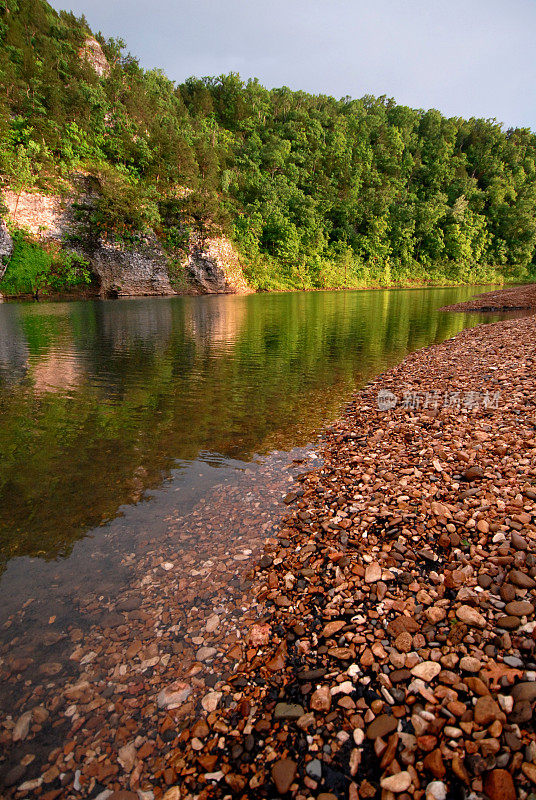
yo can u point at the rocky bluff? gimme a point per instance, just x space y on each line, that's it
140 267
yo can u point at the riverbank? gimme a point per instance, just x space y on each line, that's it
385 637
395 649
92 293
509 299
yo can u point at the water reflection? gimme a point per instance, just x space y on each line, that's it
98 400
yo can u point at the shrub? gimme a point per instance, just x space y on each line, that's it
32 268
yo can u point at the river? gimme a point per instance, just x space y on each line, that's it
154 434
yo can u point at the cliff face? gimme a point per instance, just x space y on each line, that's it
213 267
93 54
140 268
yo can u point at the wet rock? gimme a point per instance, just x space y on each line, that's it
174 695
129 604
112 620
14 775
259 635
213 623
22 726
127 757
205 653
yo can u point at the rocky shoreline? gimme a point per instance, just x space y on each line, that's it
382 646
395 654
516 298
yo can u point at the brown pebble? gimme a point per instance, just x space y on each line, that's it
283 773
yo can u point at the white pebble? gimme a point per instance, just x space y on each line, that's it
436 790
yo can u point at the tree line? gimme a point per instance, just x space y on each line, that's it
315 191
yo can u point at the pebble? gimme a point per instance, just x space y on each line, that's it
288 711
321 699
436 790
381 726
22 727
373 573
400 782
314 769
470 616
469 664
519 608
211 701
499 785
426 671
283 774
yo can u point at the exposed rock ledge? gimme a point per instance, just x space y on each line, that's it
212 266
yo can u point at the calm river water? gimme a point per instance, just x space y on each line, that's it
102 403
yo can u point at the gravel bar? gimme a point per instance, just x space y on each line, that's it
516 298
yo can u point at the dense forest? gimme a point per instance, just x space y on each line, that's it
313 190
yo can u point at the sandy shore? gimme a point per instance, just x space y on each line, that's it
382 646
514 298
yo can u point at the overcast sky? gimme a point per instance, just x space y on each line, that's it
464 57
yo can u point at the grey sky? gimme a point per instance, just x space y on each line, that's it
464 57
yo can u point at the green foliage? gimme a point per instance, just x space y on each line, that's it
67 271
316 192
32 269
26 268
124 207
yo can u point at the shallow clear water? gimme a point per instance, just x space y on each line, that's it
100 401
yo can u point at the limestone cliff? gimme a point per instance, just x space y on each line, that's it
92 52
142 267
213 267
